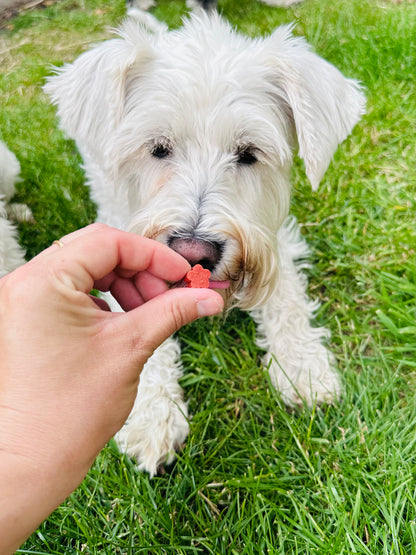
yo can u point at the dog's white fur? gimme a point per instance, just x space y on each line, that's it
165 121
11 254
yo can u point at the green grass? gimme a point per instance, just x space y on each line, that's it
254 478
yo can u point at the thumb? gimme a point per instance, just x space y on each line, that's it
153 322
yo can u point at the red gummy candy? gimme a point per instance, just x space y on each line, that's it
197 277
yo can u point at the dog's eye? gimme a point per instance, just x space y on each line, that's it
246 156
161 150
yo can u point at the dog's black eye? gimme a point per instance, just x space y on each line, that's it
246 156
161 150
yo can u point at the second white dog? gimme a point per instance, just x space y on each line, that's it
11 253
187 137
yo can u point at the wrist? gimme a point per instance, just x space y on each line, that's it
34 480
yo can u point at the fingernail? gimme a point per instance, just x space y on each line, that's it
209 307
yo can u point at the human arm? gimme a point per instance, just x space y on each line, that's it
69 370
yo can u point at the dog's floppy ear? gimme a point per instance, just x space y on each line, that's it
90 92
324 105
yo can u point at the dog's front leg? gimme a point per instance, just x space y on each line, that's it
158 423
301 367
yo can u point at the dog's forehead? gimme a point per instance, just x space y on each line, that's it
208 106
204 81
209 56
207 85
207 34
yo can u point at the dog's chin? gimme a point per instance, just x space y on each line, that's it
244 292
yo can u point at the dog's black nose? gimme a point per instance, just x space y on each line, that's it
197 251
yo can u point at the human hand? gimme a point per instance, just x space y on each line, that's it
69 370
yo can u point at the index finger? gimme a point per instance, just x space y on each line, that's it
90 254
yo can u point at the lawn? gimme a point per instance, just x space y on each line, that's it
253 477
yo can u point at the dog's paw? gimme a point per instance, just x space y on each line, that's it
155 429
312 378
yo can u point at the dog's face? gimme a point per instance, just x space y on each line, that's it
189 135
199 151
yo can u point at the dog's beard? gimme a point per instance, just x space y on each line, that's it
249 261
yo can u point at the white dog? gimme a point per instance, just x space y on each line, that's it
11 254
187 137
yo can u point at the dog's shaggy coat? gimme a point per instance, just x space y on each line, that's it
187 137
11 253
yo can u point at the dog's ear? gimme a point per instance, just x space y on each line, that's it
324 105
90 92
